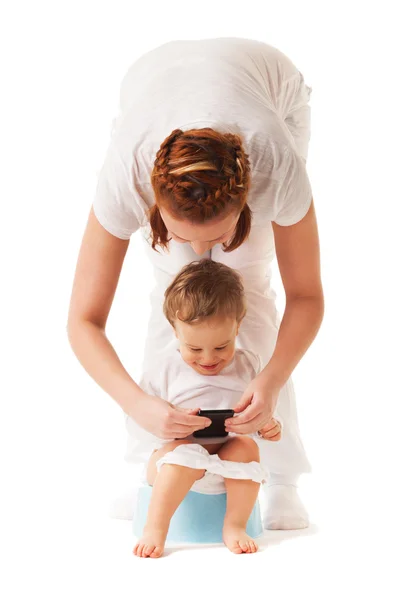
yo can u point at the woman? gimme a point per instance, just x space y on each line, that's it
207 159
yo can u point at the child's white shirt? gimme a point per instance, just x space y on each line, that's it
172 379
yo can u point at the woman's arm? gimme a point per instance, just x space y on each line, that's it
297 250
96 277
298 256
97 273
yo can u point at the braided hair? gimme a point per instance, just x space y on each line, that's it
199 175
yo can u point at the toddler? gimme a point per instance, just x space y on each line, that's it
205 305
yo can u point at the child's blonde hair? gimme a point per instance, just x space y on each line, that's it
205 289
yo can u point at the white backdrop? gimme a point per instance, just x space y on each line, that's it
62 439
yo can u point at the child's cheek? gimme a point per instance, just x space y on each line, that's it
228 355
183 353
187 356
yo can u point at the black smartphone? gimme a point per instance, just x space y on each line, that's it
217 427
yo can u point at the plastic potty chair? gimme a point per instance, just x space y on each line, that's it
197 520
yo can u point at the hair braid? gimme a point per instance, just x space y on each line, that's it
161 162
199 175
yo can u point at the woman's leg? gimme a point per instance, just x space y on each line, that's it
241 496
170 486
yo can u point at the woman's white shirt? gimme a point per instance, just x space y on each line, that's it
230 84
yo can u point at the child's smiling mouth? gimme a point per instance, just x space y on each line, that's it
209 367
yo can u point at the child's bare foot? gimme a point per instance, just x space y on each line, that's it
151 544
237 541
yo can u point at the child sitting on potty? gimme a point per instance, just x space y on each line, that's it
205 304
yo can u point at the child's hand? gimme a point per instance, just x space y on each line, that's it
272 431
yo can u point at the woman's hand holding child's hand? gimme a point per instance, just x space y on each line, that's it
272 431
256 406
164 420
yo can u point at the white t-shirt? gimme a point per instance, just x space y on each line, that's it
230 84
172 379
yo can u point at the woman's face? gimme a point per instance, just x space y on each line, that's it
201 237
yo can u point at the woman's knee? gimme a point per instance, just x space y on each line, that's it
240 448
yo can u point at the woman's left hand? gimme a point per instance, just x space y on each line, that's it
256 406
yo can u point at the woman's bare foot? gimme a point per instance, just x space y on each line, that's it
237 541
151 544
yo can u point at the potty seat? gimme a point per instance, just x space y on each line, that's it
197 520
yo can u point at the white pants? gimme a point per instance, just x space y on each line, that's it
216 470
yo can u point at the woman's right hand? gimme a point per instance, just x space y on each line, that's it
164 420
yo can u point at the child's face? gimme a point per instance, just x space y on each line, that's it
208 346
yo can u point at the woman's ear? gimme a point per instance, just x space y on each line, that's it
238 327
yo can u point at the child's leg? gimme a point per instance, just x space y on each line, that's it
241 495
170 486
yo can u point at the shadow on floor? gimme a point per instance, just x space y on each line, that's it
272 538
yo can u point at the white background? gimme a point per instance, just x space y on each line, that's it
62 439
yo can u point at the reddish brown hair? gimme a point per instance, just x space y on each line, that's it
204 289
200 175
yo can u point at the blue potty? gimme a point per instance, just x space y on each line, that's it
197 520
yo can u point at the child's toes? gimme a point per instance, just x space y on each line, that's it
137 551
156 552
147 549
236 548
253 546
244 545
